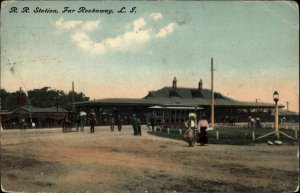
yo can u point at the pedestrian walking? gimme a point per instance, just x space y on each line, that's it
134 123
77 122
119 122
152 121
189 134
112 124
92 122
139 131
202 127
82 123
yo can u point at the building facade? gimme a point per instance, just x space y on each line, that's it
171 105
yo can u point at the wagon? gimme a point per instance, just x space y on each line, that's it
70 119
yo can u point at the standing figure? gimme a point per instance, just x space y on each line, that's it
65 123
82 122
22 124
139 129
92 122
119 122
134 123
202 126
112 124
152 121
77 122
189 134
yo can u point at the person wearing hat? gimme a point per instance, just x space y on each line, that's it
112 123
119 122
135 124
189 134
92 121
202 126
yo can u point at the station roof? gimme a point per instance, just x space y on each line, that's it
31 109
179 97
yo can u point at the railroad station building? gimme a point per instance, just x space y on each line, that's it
172 104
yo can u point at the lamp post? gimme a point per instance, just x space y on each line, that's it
196 109
276 99
276 132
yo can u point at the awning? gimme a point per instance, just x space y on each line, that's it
176 107
82 113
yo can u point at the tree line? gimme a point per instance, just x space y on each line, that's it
43 98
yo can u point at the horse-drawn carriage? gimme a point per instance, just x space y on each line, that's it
70 119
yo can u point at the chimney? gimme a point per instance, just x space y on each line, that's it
200 85
175 83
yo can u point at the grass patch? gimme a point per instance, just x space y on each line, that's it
234 136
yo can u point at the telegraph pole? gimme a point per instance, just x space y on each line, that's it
73 106
212 95
57 93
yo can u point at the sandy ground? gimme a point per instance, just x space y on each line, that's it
48 160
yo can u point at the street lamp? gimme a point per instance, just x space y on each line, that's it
276 99
276 132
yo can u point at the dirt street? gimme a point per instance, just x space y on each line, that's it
47 160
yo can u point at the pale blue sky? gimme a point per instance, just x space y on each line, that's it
254 46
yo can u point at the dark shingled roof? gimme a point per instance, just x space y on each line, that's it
32 109
179 96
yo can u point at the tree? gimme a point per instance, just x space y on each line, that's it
43 97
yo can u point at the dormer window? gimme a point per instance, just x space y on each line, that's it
197 94
149 95
173 93
218 96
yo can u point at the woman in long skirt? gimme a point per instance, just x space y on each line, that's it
202 126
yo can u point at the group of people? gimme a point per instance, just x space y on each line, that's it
202 127
135 121
136 125
117 121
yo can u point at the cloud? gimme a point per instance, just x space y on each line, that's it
139 34
76 25
156 16
90 25
166 30
138 24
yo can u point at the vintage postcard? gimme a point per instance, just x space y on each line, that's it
149 96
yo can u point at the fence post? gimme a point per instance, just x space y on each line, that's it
168 130
155 128
217 134
159 129
296 133
180 132
253 135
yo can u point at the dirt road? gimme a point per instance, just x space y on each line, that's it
48 160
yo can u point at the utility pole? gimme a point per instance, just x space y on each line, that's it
20 97
212 117
57 101
276 121
73 106
0 109
20 91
